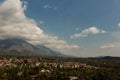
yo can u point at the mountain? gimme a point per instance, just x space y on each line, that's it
15 46
49 51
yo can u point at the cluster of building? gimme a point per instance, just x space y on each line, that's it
76 65
14 62
45 66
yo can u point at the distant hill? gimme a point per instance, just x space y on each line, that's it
105 57
109 57
20 47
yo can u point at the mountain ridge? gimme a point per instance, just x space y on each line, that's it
22 47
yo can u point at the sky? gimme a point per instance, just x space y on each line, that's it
83 28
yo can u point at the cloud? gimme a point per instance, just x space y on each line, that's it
67 47
46 6
119 25
41 22
24 4
77 29
92 30
110 46
14 23
115 37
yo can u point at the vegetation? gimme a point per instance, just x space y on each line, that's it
105 69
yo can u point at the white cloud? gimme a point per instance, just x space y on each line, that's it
14 23
24 4
77 29
67 47
41 22
110 46
92 30
46 6
115 38
107 46
119 25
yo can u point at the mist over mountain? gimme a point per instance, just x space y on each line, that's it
16 46
49 51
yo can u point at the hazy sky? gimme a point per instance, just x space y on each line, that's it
82 28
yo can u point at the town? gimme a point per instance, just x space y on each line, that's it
51 68
33 62
42 65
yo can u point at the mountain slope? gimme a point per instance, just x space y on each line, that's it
49 51
16 46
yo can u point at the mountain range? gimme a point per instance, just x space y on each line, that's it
15 46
